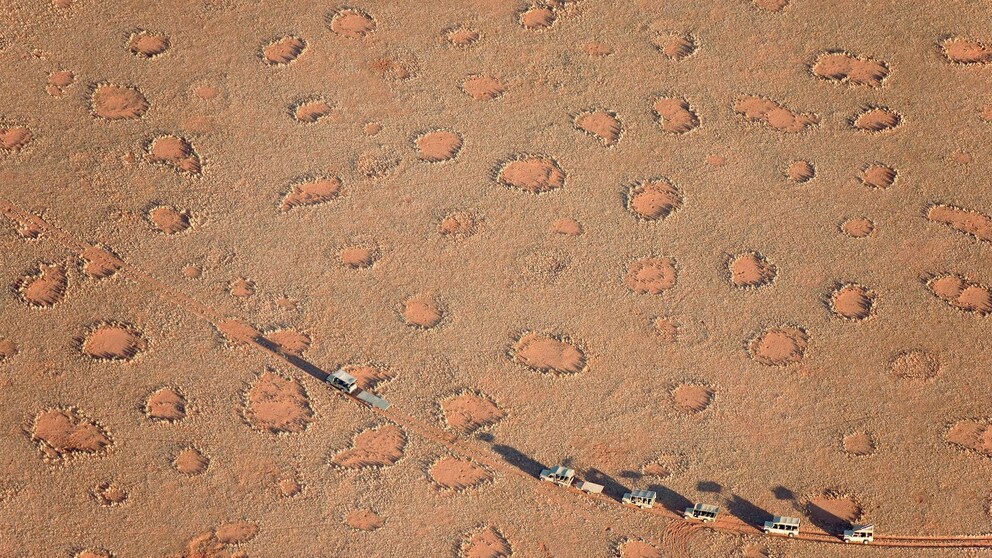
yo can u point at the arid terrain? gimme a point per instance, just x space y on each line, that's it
732 251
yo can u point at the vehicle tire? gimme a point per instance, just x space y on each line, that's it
864 542
792 535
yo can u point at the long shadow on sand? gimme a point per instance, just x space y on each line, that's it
513 456
670 499
746 511
296 361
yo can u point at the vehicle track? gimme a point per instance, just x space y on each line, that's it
676 534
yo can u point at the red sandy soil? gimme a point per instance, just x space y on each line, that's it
363 520
487 542
458 474
167 404
639 549
469 412
735 251
376 447
277 404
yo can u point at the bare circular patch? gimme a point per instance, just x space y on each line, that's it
915 364
653 199
113 341
779 346
546 353
651 275
534 174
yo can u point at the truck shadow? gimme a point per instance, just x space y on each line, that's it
611 487
747 512
302 364
513 456
671 499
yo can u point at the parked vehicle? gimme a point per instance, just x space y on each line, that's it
701 512
343 381
562 476
643 499
780 525
863 534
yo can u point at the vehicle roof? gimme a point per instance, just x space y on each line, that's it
344 376
643 493
562 471
865 527
707 507
785 520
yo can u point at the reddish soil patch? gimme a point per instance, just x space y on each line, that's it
241 288
376 447
436 146
118 102
401 66
961 50
457 225
168 220
191 462
597 49
458 474
288 487
852 302
692 398
860 227
352 23
58 82
915 364
290 341
968 221
113 341
90 553
665 466
14 138
368 376
774 115
876 119
651 275
639 549
468 412
110 494
64 433
537 18
844 67
534 174
675 115
676 46
46 287
666 328
358 257
483 88
751 270
800 172
276 404
99 263
831 509
878 175
311 192
602 124
168 404
858 444
462 37
545 353
7 348
363 520
309 111
779 346
654 199
283 50
214 543
422 311
487 542
962 293
148 44
566 226
771 5
175 152
755 551
971 434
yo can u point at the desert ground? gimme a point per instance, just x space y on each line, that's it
732 251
